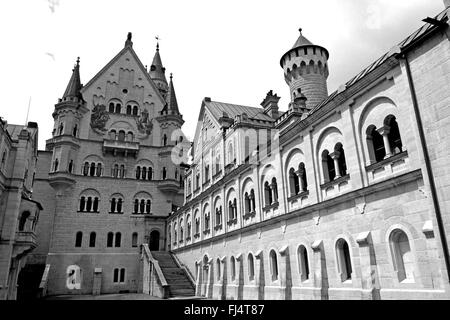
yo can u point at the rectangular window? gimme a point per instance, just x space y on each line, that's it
122 275
116 275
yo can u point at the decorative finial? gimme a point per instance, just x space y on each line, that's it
129 42
300 30
78 61
157 42
171 76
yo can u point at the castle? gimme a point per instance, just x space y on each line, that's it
342 196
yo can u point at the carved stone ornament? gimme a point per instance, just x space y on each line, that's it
99 117
144 123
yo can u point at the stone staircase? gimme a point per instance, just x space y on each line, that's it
178 281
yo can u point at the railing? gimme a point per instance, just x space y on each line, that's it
186 270
43 285
154 282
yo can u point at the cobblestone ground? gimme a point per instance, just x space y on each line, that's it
121 296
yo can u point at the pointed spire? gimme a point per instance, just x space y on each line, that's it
172 98
74 86
157 70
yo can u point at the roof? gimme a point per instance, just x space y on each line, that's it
302 41
14 130
172 98
157 70
218 109
395 50
74 86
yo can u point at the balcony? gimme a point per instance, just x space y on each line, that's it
25 241
169 185
60 180
121 147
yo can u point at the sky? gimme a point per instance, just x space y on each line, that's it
227 50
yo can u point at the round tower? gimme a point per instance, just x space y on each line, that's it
306 71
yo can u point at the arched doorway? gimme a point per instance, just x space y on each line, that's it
154 240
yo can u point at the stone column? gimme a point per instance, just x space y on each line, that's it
210 279
274 193
259 274
240 277
384 131
285 274
223 279
335 156
369 274
198 280
300 180
320 271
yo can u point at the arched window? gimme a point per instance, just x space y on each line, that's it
207 218
56 164
150 173
138 172
128 109
78 239
117 240
328 166
164 140
75 130
252 200
119 205
115 172
111 107
112 135
82 204
110 240
135 111
218 267
273 265
246 203
121 135
71 166
61 129
92 237
293 182
142 206
148 206
251 267
197 225
95 206
89 204
86 169
23 220
267 194
130 136
134 239
375 144
122 171
113 205
99 169
303 263
230 153
343 260
233 268
136 206
341 159
395 141
302 177
92 169
164 173
274 190
118 108
402 256
144 173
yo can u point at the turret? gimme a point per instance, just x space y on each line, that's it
306 71
158 73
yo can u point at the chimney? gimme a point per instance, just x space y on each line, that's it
270 104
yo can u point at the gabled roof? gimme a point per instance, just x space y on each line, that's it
422 31
114 60
218 109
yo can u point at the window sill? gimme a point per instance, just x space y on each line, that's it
217 174
335 182
384 162
271 206
249 215
299 195
115 212
218 227
231 222
88 211
207 231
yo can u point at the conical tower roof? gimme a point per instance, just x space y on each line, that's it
74 86
302 41
157 70
172 99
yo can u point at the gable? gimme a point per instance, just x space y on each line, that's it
206 121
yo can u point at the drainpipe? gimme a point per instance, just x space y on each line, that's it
429 170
